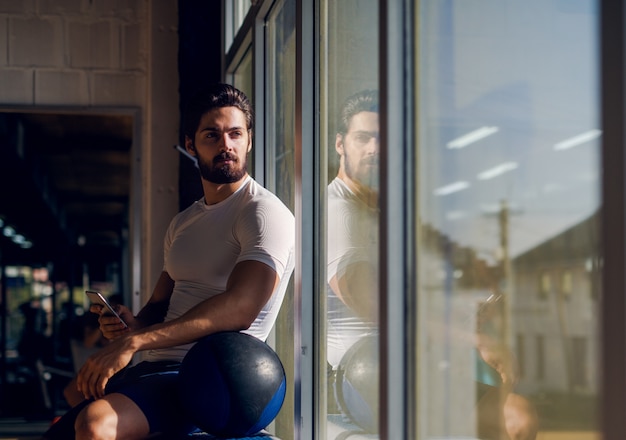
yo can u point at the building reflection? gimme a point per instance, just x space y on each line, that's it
552 331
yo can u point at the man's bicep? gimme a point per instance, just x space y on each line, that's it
163 288
357 286
155 309
253 280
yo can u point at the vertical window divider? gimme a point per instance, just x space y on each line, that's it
396 214
308 220
613 108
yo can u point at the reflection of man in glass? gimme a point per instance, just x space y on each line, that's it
352 272
353 227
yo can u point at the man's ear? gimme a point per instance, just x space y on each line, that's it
249 141
339 144
191 149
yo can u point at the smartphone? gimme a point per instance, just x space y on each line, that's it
98 298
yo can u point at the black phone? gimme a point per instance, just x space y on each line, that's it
98 298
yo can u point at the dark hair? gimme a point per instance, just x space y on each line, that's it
215 96
363 101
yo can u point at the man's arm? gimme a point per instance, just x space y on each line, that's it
249 287
152 312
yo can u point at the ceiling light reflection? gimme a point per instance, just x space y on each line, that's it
497 170
472 137
452 188
577 140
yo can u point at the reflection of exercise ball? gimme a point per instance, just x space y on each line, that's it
232 384
485 373
357 383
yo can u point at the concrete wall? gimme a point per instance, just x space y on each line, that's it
105 53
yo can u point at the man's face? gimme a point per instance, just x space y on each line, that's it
221 144
359 149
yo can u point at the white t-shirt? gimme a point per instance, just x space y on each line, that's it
204 242
352 237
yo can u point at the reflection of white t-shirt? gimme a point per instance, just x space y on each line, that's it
204 242
352 236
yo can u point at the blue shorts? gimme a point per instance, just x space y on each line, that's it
153 386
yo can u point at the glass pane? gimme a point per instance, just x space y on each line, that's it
350 139
242 76
242 79
240 9
280 94
508 182
236 11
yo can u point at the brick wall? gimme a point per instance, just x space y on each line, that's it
74 52
105 54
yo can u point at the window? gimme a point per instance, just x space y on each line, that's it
235 13
566 284
242 78
508 164
350 143
279 154
545 285
496 183
521 355
580 380
540 353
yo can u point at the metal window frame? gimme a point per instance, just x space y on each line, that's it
613 309
397 226
308 204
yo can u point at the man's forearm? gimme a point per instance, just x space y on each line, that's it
205 318
249 288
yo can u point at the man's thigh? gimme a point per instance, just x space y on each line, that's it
151 387
156 395
114 415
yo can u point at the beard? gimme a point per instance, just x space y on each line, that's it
220 173
365 172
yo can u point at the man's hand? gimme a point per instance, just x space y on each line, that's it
110 326
101 366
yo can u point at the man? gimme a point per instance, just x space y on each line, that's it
227 262
352 268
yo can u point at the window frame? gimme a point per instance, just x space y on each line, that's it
613 308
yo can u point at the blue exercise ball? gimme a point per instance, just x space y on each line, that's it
356 386
232 384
